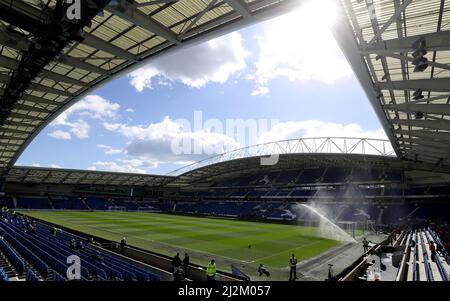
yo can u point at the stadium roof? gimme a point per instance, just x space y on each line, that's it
200 174
44 70
251 165
319 145
40 175
378 39
235 167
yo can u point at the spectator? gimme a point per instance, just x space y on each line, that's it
262 270
293 270
439 249
72 244
211 270
80 245
391 239
185 263
178 276
176 262
365 245
433 251
90 241
447 246
123 243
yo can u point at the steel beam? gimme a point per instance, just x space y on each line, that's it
20 42
435 84
12 64
23 116
25 123
13 131
136 16
198 17
426 151
32 109
426 142
101 44
391 20
40 100
242 8
4 136
4 78
56 77
411 59
9 144
426 134
35 99
14 39
431 124
440 109
431 158
437 41
80 64
51 90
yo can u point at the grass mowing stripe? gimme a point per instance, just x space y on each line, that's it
209 236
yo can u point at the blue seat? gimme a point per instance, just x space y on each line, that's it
12 257
3 276
45 251
31 276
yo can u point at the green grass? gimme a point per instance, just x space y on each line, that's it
271 244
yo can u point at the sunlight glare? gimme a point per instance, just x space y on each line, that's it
300 45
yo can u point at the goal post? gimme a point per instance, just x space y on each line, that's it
117 208
349 226
146 209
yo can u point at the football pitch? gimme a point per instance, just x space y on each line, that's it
246 242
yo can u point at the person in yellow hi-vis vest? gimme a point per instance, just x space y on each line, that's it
211 270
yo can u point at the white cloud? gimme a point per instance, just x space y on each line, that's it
260 91
316 128
109 150
92 106
154 144
60 135
299 47
79 128
36 165
129 110
54 166
214 61
115 167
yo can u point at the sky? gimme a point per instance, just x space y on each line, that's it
282 79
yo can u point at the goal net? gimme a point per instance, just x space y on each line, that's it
117 208
146 209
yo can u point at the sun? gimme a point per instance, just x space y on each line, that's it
321 13
300 46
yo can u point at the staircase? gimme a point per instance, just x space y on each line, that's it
50 202
27 266
83 200
7 267
49 277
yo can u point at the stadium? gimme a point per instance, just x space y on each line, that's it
307 209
